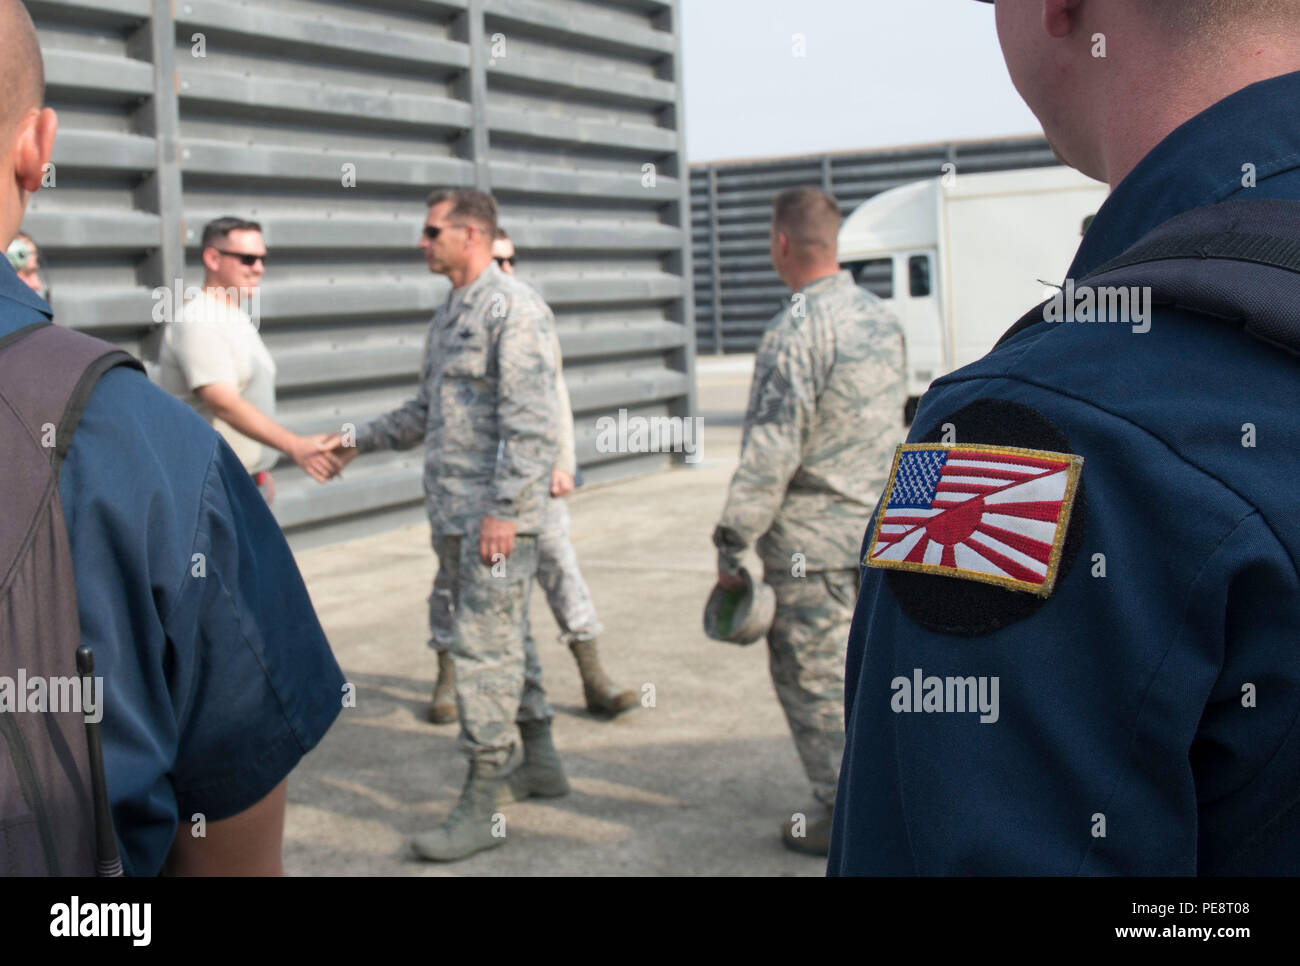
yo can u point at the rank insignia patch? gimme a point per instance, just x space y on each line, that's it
994 514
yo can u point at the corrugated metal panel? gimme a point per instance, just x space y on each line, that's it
173 113
97 219
736 290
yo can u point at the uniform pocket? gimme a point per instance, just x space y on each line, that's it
467 404
464 355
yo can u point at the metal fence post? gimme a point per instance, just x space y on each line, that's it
474 144
160 192
679 261
715 250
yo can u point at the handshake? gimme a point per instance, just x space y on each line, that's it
322 456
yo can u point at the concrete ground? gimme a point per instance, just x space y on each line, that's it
698 784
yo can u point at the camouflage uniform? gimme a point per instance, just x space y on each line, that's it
486 412
442 623
825 413
557 567
558 573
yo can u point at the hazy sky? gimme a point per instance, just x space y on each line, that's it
876 73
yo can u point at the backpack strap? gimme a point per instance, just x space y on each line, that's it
48 373
1238 261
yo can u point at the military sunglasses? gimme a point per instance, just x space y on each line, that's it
249 260
433 231
504 260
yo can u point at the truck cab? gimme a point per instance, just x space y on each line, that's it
959 258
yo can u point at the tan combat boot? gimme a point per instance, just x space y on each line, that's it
542 774
474 824
603 696
443 708
809 831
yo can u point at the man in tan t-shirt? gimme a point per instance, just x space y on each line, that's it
213 358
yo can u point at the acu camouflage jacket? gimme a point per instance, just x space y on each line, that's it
825 414
486 408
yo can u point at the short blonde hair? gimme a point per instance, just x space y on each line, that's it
810 216
1200 17
24 65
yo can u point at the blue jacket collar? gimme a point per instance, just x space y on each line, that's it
1199 164
13 288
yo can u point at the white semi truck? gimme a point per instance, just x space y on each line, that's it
960 258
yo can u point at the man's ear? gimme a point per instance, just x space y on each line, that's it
33 146
211 259
1059 16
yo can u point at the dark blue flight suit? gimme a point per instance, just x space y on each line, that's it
1149 707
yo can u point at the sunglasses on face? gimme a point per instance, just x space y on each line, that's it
433 231
504 260
249 260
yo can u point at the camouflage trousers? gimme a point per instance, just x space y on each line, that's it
561 581
488 627
807 648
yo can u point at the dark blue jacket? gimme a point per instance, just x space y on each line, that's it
1149 718
217 675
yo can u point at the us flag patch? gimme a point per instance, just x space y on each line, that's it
996 514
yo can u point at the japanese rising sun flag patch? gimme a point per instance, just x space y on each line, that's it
996 514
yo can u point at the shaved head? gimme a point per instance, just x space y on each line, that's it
27 127
20 53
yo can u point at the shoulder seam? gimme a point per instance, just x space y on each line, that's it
198 515
1092 405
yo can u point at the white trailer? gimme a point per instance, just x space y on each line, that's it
960 258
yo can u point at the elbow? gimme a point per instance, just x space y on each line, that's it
220 410
218 403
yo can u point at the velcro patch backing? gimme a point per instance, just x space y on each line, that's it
973 608
993 514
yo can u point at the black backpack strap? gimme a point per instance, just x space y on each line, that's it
1238 261
47 374
57 369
